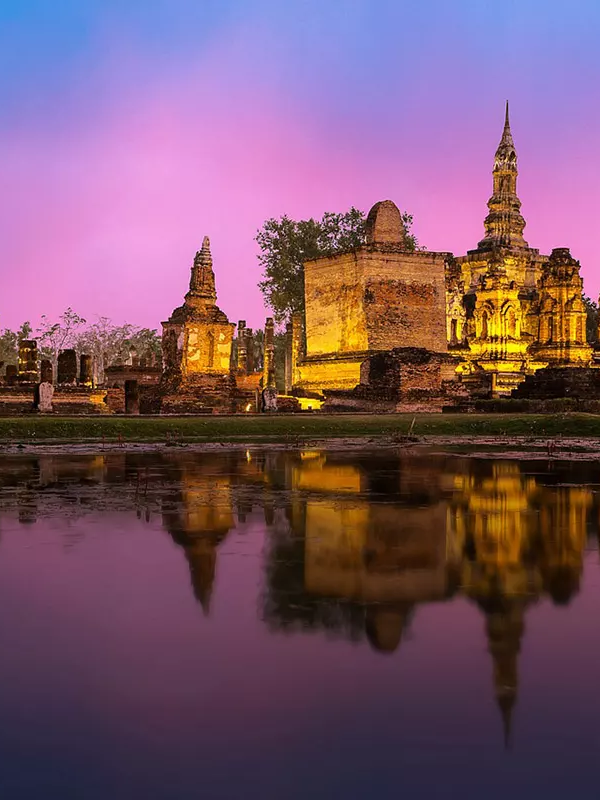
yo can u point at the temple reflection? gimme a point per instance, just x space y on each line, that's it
355 541
198 514
502 534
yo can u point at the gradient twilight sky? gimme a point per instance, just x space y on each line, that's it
129 129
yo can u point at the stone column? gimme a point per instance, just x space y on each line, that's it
67 367
85 370
28 358
269 358
242 353
249 338
288 358
47 371
11 374
297 346
132 397
269 392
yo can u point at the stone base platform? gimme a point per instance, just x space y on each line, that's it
67 400
200 394
403 380
581 383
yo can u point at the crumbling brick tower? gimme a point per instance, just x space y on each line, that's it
196 343
375 298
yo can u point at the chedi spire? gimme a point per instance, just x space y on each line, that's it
504 224
202 280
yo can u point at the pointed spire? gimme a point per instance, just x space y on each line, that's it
506 704
507 145
504 224
202 280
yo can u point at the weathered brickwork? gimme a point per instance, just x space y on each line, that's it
503 310
405 379
197 337
511 310
196 343
378 297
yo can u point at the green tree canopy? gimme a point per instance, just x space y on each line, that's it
286 244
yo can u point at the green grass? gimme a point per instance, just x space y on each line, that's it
287 428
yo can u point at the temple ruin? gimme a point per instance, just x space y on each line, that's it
385 328
487 320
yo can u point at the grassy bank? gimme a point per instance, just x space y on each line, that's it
288 428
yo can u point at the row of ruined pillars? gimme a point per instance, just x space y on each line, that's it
248 359
71 370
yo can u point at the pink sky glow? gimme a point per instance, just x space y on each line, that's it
102 209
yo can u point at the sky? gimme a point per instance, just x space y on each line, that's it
130 129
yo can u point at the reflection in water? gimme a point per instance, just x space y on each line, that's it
355 542
370 540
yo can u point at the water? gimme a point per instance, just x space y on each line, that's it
300 624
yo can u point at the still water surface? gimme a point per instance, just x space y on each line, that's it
298 625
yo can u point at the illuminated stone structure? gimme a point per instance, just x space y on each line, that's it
510 309
196 343
197 337
378 297
504 309
562 336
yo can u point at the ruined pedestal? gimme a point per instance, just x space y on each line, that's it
269 399
132 397
28 358
406 379
85 370
46 371
11 374
44 395
67 368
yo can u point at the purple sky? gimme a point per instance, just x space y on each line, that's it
130 129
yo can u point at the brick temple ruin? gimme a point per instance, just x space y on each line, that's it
204 370
386 328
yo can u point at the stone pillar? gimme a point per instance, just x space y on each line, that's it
288 359
249 338
242 353
43 397
28 358
269 357
269 392
47 371
67 367
132 397
85 370
297 346
11 374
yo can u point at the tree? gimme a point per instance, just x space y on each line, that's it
110 344
147 343
286 244
592 319
56 336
